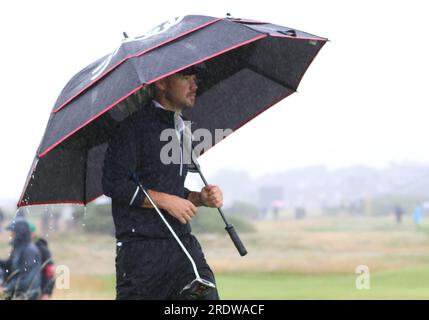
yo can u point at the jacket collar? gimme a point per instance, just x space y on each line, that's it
164 114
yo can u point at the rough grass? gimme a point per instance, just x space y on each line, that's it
314 258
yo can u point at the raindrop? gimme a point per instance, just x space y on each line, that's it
119 244
83 224
133 230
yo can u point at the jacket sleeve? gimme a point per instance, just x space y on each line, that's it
28 274
186 193
120 165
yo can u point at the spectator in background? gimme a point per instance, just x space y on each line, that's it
300 212
418 215
276 207
22 269
47 264
398 211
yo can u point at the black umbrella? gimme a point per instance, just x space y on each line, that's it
249 65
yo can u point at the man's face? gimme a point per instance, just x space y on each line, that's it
181 90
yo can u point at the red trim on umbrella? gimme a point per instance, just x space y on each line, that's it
149 82
51 202
265 109
21 204
87 122
132 56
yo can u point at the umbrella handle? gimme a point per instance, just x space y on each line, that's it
236 239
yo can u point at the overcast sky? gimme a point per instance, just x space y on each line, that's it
363 100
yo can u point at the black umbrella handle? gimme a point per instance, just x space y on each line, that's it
236 239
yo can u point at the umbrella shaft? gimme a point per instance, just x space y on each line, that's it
206 184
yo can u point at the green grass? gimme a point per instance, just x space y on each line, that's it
393 284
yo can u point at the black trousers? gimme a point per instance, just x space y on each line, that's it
158 269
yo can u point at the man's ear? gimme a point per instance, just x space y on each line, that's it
161 85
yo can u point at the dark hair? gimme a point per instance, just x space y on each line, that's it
200 70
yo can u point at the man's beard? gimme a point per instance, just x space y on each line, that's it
180 104
187 105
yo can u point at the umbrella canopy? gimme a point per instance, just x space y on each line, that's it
249 66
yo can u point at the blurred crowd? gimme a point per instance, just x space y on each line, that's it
29 271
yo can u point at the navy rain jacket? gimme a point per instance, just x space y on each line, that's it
135 149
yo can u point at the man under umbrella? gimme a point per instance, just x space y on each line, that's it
22 269
253 65
149 262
